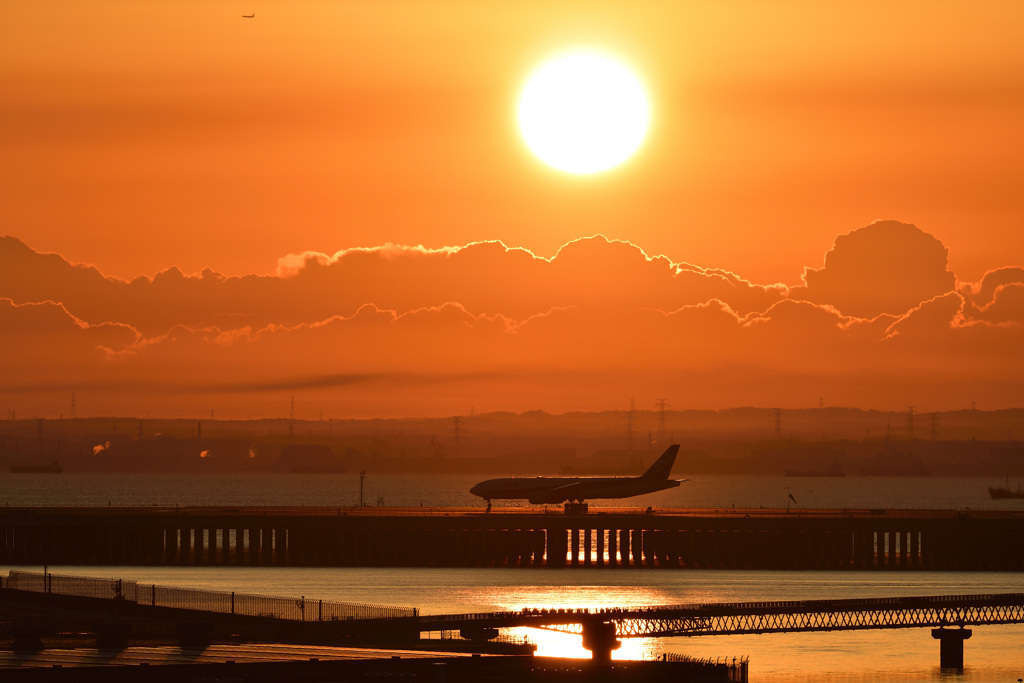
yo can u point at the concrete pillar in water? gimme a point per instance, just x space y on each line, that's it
539 543
951 646
599 638
256 545
185 545
556 547
168 546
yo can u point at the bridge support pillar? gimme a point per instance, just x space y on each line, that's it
951 646
599 638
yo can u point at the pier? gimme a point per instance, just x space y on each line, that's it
982 540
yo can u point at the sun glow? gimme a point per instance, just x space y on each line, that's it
583 112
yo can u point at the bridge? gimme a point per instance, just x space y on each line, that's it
703 538
311 620
947 615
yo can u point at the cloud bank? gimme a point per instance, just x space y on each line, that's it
406 330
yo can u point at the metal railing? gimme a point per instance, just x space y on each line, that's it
245 604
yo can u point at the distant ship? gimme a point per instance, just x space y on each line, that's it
50 468
1000 492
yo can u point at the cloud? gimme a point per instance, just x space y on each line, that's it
484 277
43 342
1006 306
405 330
983 292
925 319
886 267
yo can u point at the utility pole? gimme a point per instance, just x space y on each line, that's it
910 422
778 423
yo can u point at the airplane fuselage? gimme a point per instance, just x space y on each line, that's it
554 490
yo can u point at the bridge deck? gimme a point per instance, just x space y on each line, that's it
760 617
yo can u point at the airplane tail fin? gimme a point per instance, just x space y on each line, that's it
662 467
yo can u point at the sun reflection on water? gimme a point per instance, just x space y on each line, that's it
555 644
592 598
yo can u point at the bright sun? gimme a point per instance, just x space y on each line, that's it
583 112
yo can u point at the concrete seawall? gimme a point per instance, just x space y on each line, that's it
414 537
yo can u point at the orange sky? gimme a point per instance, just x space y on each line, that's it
144 136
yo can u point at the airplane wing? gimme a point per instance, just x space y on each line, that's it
566 488
556 494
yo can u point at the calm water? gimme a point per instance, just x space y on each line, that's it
994 654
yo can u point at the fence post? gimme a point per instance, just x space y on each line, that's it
232 602
153 591
320 612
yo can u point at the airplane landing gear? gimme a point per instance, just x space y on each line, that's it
577 507
488 508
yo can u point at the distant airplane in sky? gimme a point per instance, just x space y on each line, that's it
540 490
249 16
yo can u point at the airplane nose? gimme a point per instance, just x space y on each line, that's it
475 490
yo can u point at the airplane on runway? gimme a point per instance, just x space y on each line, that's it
541 490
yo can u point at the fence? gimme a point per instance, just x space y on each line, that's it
736 669
246 604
